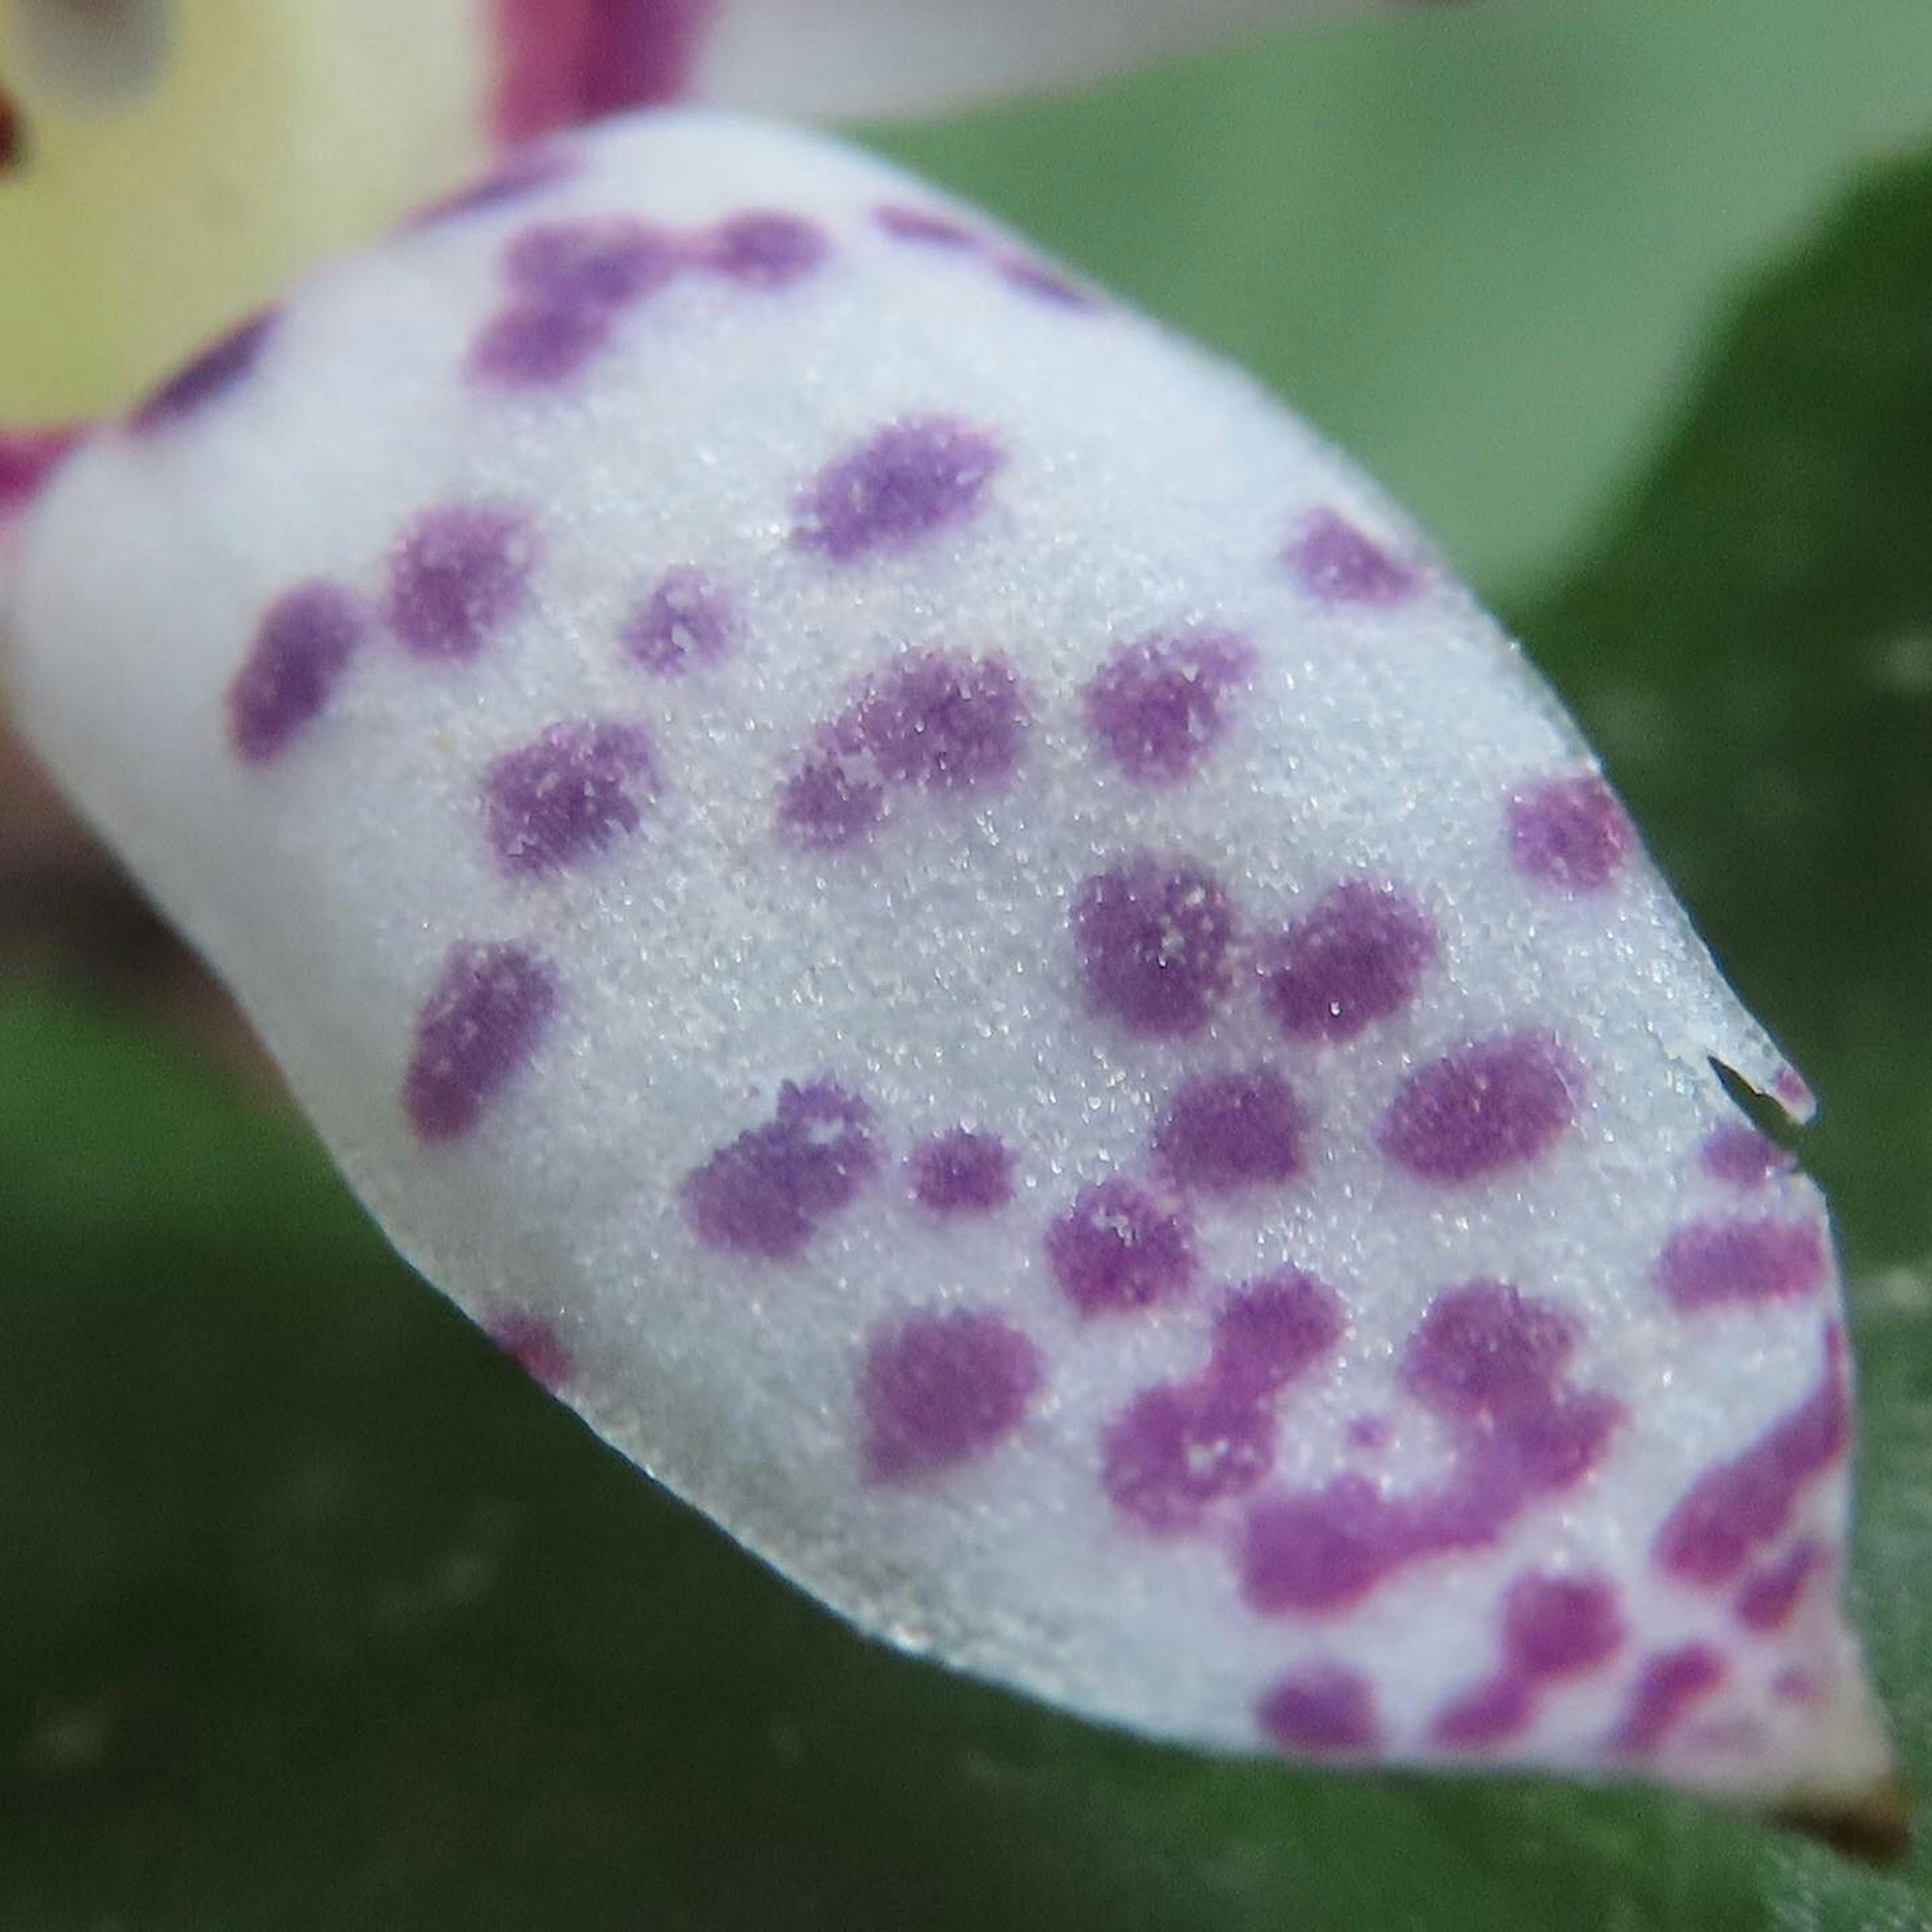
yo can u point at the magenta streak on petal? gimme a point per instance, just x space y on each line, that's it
765 1193
301 649
941 1389
1320 1708
483 1020
1736 1507
1709 1263
219 367
1668 1683
27 457
1487 1362
561 62
1771 1593
907 224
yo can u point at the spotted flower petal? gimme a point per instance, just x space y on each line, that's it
952 928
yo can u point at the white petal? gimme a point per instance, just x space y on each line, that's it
676 694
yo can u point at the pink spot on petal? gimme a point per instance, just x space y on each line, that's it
899 486
457 575
27 457
301 649
961 1173
534 1345
939 1389
1225 1131
482 1022
1322 1708
1117 1250
1559 1626
1741 1157
767 1193
1668 1684
1154 941
1336 563
1044 284
763 249
1709 1263
1500 1104
1569 833
1175 1449
1357 957
1771 1593
906 224
686 621
1491 1713
1159 707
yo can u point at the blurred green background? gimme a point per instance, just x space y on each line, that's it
312 1614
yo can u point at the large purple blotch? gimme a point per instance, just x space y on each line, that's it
567 796
302 647
937 1390
1357 956
483 1021
1117 1249
765 1193
1225 1131
900 485
1155 942
1502 1103
458 573
1157 708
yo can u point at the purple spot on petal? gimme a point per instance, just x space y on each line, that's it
1492 1712
531 343
534 1345
940 719
1559 1626
458 573
905 223
763 249
1569 833
1272 1329
1225 1131
1369 1433
1154 943
1771 1593
1736 1507
591 265
27 457
827 804
939 1389
1741 1157
901 484
1709 1263
1500 1104
548 804
1116 1249
302 647
1044 284
1668 1684
961 1173
209 376
686 619
1158 707
1335 562
1175 1449
765 1193
1321 1708
1317 1551
1358 956
482 1022
1484 1353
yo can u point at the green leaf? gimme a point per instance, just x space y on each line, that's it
316 1616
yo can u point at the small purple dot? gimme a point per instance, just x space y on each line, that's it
1273 1329
302 647
1569 833
457 573
534 1345
531 343
763 249
1560 1626
217 369
1225 1131
1337 563
901 484
592 265
829 802
1490 1714
1502 1103
686 620
1741 1157
1708 1263
939 1389
905 223
1357 957
765 1193
1159 706
1177 1448
1116 1249
1154 942
570 793
1321 1708
961 1173
481 1023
